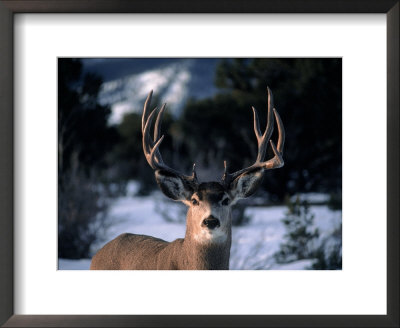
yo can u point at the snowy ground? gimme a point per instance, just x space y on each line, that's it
252 245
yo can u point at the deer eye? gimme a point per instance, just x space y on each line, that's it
225 202
195 202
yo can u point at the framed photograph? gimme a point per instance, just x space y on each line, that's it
290 208
313 244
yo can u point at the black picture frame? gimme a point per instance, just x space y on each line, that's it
10 7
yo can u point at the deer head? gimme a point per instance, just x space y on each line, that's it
209 212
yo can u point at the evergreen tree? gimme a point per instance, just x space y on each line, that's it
301 236
329 254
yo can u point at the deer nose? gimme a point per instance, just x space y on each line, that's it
211 222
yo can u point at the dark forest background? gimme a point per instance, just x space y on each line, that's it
97 159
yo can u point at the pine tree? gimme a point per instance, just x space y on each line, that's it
301 236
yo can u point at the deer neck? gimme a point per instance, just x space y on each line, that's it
207 253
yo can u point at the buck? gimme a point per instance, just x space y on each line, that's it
207 241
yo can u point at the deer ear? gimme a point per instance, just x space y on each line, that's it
246 184
173 186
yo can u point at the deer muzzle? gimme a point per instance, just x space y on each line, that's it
211 222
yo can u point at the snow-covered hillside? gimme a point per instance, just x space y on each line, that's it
127 82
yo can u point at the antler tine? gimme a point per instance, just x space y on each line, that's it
146 109
270 119
281 131
156 164
151 146
262 141
194 174
257 130
225 177
147 142
277 160
157 126
157 129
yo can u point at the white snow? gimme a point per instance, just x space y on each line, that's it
297 265
82 264
312 197
253 245
125 95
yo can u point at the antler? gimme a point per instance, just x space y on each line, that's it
151 147
262 140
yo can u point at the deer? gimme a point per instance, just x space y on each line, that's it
207 241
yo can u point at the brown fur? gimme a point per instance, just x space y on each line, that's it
138 252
